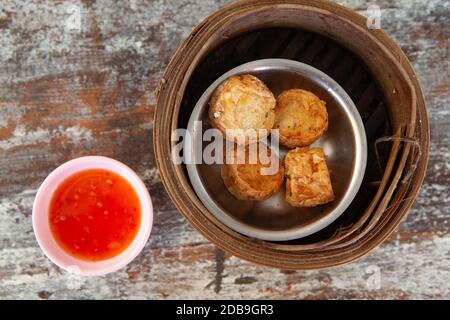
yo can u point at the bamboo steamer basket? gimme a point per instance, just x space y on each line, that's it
390 102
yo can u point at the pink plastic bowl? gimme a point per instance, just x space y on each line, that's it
42 228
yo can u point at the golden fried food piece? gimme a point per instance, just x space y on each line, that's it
258 179
301 118
308 181
242 103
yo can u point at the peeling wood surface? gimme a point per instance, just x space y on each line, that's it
71 87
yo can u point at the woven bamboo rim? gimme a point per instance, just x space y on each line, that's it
395 193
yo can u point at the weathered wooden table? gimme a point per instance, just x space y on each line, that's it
78 78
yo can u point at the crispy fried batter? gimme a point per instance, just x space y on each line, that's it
301 117
245 104
308 181
247 181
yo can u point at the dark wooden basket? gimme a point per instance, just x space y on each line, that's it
368 65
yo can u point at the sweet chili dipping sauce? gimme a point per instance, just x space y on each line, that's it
95 214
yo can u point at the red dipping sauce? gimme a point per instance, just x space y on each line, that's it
95 214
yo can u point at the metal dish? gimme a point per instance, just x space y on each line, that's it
344 144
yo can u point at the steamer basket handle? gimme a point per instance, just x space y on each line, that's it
415 161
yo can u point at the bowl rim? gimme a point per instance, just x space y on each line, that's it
46 240
360 157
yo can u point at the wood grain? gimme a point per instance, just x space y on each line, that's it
67 92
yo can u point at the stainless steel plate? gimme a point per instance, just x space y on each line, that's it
344 144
